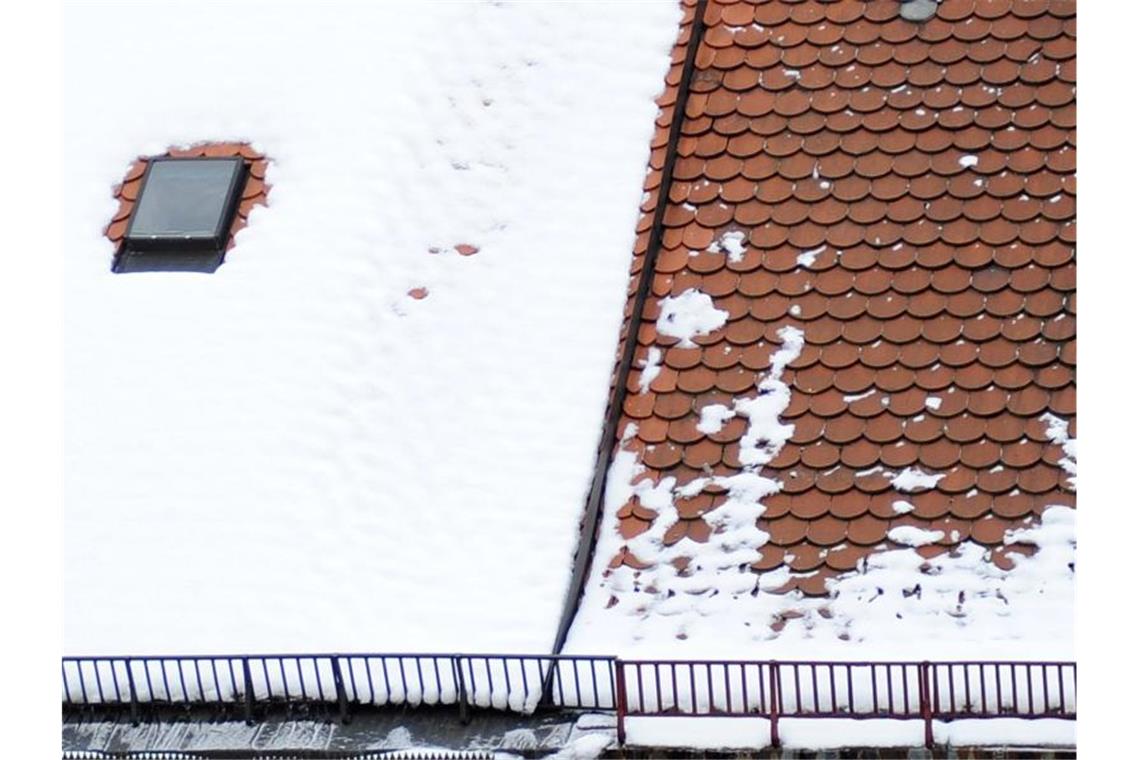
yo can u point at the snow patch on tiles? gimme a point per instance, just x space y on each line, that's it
807 258
961 594
292 448
914 479
732 243
909 535
1058 432
933 403
695 598
688 583
688 315
650 370
967 161
900 507
713 418
869 392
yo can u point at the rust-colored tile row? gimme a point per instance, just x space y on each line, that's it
930 171
254 193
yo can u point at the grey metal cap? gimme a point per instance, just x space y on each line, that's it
918 10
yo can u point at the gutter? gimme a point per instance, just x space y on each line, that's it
596 500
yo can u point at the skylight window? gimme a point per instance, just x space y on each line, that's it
183 215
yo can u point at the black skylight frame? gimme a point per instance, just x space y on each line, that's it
201 249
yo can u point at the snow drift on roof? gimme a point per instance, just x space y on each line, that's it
294 453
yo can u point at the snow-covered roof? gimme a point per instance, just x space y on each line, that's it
850 432
350 436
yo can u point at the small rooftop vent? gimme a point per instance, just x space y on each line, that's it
182 218
918 10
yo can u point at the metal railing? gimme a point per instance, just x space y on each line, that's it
927 691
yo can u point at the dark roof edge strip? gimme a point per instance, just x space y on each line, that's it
606 446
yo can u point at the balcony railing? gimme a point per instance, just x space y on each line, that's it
927 691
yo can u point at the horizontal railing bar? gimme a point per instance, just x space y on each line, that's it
853 690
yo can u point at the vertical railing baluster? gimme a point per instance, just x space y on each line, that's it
799 694
727 689
338 684
1061 689
99 683
198 679
874 690
620 702
372 687
248 690
1013 677
134 694
831 680
115 682
419 677
744 686
906 692
924 702
1029 688
438 681
774 699
850 691
165 681
352 681
814 687
461 696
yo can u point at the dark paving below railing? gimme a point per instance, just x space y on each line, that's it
323 735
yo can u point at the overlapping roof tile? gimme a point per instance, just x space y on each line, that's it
905 196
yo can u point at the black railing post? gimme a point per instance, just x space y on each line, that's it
774 703
134 694
924 690
341 695
248 678
461 687
620 702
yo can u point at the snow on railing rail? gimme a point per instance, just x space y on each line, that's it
925 691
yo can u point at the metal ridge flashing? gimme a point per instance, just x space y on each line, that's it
596 499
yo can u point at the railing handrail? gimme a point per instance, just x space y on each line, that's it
773 689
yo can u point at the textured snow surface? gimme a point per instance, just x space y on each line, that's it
731 243
688 315
829 733
292 454
914 479
700 598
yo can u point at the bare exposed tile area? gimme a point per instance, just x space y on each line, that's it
904 194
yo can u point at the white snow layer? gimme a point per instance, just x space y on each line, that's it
909 535
1058 431
702 600
688 315
914 479
651 370
291 454
732 243
807 258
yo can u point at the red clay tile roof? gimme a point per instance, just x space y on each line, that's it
254 193
935 164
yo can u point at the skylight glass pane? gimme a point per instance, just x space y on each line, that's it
184 198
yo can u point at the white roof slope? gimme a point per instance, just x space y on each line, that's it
291 454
